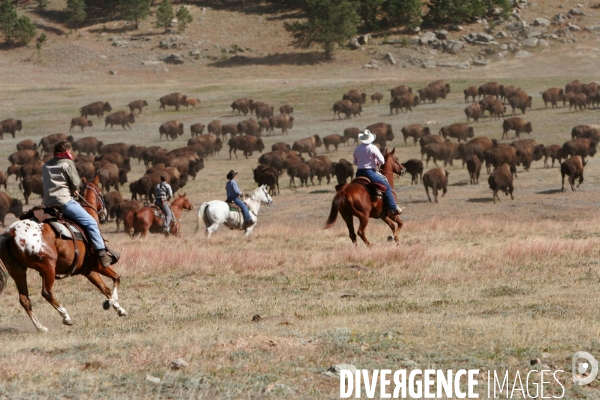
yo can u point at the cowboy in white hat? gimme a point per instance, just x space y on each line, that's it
368 158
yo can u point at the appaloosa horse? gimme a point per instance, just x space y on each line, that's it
29 244
353 200
145 220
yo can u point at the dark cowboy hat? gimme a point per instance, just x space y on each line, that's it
231 174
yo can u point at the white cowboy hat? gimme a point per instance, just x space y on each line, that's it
366 137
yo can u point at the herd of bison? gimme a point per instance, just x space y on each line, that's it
111 162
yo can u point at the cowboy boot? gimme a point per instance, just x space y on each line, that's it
104 258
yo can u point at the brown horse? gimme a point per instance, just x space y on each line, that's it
144 220
353 200
29 244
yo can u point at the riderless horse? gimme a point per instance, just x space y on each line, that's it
29 244
216 213
354 200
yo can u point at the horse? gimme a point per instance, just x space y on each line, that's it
27 244
353 200
144 220
216 213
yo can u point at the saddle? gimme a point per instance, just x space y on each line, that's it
233 207
64 229
375 189
158 212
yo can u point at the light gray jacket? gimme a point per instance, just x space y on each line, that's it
60 179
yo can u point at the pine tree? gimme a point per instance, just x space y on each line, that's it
328 22
405 12
183 18
369 10
76 11
24 31
164 14
42 4
456 11
135 10
8 18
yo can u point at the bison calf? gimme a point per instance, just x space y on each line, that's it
436 179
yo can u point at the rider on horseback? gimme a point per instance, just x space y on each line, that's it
368 158
61 182
162 194
233 196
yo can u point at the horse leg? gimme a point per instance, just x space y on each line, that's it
211 229
19 275
363 222
113 298
348 218
47 283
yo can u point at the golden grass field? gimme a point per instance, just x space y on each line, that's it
472 285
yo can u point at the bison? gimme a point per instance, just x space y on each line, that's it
471 91
301 171
81 122
458 131
516 124
340 107
286 109
376 97
474 111
355 96
241 105
191 102
333 140
474 168
26 144
171 129
31 184
431 93
415 131
400 90
579 100
267 175
521 101
111 202
215 127
231 129
283 122
137 105
247 144
32 168
8 205
580 147
446 151
97 108
490 89
122 210
248 127
307 145
528 151
123 118
11 126
436 179
406 101
415 168
351 133
320 169
3 180
172 100
23 157
501 179
573 168
552 96
343 170
197 129
573 87
503 154
428 139
553 151
280 146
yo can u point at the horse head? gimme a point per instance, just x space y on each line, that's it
183 200
262 194
391 161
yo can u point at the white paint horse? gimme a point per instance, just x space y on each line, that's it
216 213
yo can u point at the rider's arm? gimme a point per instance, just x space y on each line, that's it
170 191
72 176
377 154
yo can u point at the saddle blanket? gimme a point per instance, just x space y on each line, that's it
63 228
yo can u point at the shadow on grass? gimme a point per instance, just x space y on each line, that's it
321 191
462 183
480 200
415 202
300 59
550 191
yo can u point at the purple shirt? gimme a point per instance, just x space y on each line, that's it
368 156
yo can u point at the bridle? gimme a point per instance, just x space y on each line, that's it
102 214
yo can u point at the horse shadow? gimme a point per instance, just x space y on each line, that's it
480 200
550 191
321 191
461 183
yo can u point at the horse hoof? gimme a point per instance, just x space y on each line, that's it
67 322
42 329
390 238
122 313
106 305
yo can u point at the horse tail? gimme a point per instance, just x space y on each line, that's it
338 200
3 270
202 217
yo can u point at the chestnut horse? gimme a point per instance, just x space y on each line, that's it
29 244
353 200
144 220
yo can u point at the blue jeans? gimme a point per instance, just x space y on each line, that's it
243 206
73 211
388 196
166 210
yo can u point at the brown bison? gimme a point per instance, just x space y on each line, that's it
431 93
573 168
477 147
487 103
32 168
333 140
580 147
415 131
264 125
446 152
503 154
573 87
247 144
428 139
355 96
474 111
474 168
26 144
171 129
590 89
241 105
85 169
286 109
121 148
320 169
509 91
123 118
501 179
196 129
172 100
497 110
191 102
343 171
580 130
579 100
351 133
215 127
122 210
81 122
50 140
231 129
415 168
471 91
516 124
552 96
8 205
353 110
275 159
382 131
111 176
13 170
441 85
553 151
248 127
97 108
23 157
458 131
115 158
490 89
11 126
528 151
263 111
404 101
281 146
436 179
137 105
283 122
3 179
376 97
31 184
400 90
301 171
111 201
339 108
521 101
307 145
267 175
